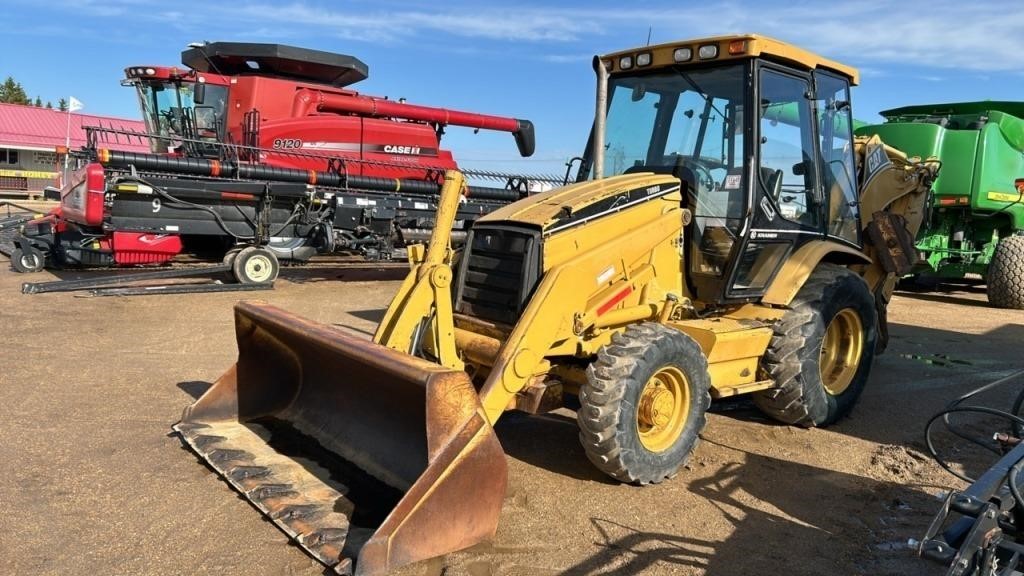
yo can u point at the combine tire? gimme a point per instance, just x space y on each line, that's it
230 255
1006 274
27 259
643 405
255 266
821 353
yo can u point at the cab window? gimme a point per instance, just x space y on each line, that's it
835 126
787 151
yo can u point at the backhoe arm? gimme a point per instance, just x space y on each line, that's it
894 192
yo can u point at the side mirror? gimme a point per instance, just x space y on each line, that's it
803 168
199 93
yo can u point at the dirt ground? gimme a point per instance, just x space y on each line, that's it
93 481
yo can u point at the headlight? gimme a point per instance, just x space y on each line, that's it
707 51
625 63
643 59
682 54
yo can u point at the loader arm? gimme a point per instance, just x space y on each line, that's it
368 456
420 316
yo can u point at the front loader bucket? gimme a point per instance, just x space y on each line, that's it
368 458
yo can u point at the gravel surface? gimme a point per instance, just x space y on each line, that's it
95 483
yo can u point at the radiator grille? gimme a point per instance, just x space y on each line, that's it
500 270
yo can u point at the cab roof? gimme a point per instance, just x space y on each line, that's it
276 61
734 47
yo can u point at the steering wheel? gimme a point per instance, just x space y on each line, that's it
172 120
705 181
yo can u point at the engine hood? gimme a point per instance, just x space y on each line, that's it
582 202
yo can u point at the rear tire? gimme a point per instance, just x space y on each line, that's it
255 266
820 355
26 260
644 403
1006 274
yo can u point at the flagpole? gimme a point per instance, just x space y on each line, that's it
73 105
67 146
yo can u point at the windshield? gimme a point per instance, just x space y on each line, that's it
689 118
689 122
169 110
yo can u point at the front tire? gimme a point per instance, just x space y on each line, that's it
255 266
27 260
1005 278
644 403
821 352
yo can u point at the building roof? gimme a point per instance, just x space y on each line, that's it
43 128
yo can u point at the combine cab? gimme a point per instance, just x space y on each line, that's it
261 147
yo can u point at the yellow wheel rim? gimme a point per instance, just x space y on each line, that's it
663 408
841 350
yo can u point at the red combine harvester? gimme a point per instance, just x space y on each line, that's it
262 151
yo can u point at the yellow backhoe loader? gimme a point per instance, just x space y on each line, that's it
727 235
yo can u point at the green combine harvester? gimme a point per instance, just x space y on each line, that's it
977 220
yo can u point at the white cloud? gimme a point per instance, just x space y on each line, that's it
936 33
567 58
529 25
940 34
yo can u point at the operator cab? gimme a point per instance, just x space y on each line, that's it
761 135
180 108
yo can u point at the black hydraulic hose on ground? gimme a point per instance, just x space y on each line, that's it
947 411
954 407
1017 405
956 431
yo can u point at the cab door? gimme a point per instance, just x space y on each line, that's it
788 205
838 168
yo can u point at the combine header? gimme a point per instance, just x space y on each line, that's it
261 151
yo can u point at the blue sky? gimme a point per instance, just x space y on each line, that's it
523 59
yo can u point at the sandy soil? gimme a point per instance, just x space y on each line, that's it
94 482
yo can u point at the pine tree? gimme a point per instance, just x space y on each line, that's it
38 103
12 92
49 105
62 105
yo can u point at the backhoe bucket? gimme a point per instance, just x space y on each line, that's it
368 458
